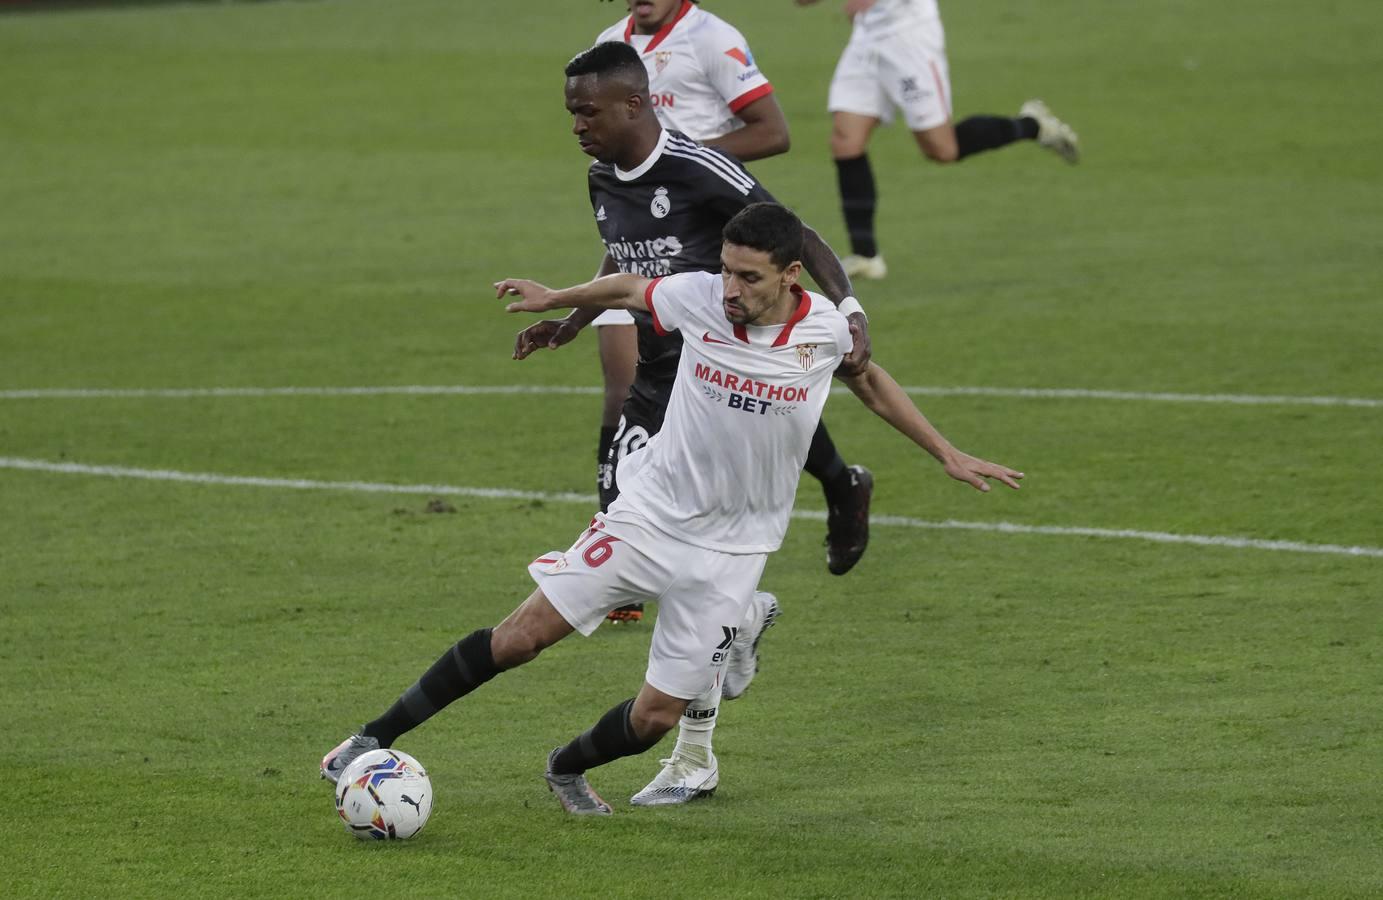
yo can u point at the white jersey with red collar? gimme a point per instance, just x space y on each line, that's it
700 71
722 474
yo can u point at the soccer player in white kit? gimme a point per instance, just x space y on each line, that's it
896 60
703 505
660 202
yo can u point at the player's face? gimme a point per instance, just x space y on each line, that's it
755 289
650 15
601 117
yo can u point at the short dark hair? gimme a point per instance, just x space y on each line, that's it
610 58
770 227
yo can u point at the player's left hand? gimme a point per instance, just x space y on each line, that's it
549 333
534 295
857 360
973 471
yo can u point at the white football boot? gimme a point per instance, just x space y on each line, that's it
870 267
743 663
692 772
1052 133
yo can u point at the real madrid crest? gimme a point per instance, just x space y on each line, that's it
806 355
661 205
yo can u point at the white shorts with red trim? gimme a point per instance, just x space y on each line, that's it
905 71
702 595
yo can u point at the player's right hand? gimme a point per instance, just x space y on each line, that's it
549 333
533 297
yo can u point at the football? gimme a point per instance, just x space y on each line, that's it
384 795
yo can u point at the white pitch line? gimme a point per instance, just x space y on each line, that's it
1161 537
541 389
409 389
1159 396
302 484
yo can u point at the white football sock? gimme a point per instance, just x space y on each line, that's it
699 722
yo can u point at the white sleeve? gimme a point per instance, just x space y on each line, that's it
674 299
731 69
840 329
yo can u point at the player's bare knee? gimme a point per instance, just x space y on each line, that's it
512 645
938 144
845 146
652 724
527 631
940 151
654 713
614 404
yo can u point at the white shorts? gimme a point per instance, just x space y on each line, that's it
702 595
613 317
906 70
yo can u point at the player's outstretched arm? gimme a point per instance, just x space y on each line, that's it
824 266
878 391
553 333
610 292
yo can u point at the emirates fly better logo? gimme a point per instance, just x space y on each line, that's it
743 57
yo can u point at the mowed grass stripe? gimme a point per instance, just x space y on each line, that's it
1227 541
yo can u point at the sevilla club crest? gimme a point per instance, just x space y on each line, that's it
806 355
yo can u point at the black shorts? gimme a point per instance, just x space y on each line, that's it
640 418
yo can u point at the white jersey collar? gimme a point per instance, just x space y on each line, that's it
646 164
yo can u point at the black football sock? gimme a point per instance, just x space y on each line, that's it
459 671
602 453
824 463
609 739
980 133
857 201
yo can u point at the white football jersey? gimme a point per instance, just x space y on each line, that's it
722 474
700 71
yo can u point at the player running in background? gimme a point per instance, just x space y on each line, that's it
702 78
703 504
660 201
896 59
705 83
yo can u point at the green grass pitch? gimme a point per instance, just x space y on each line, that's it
301 194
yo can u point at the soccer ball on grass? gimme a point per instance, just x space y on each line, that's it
384 795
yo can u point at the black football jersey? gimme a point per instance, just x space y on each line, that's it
666 217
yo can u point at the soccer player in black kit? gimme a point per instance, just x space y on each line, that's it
660 201
664 215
